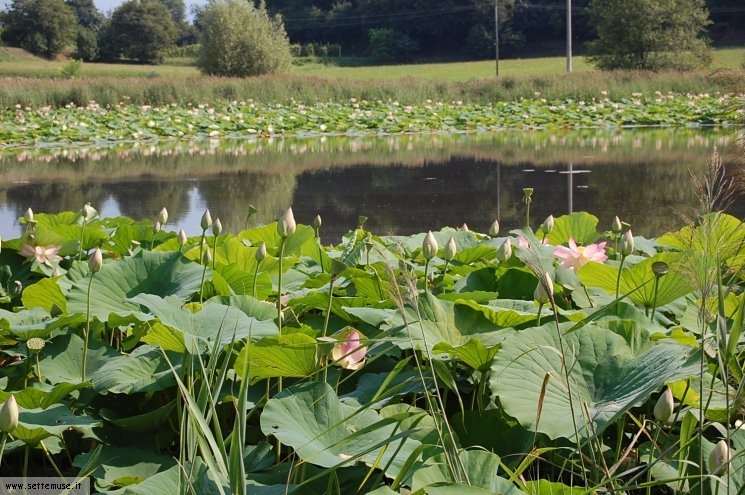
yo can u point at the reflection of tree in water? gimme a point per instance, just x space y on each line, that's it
228 197
144 198
53 197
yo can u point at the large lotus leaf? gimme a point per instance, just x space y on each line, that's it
116 467
580 226
441 322
716 232
310 418
167 482
639 278
606 377
144 370
481 467
547 487
473 353
301 243
149 421
46 294
64 230
206 324
41 397
35 322
255 308
493 430
161 274
290 355
463 239
61 359
34 425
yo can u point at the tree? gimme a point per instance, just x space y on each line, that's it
43 27
240 39
650 34
90 21
139 30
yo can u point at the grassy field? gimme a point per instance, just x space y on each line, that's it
16 63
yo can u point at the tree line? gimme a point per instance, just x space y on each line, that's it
639 34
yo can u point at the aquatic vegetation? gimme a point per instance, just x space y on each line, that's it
23 126
576 357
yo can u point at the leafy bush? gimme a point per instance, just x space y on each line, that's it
140 30
240 39
650 34
86 45
389 45
43 27
71 69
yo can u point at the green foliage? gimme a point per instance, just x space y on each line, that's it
650 34
43 27
240 39
86 46
389 45
140 30
71 69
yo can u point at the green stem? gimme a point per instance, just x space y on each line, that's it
654 299
279 306
201 246
214 252
82 231
426 276
2 446
540 310
256 275
86 336
201 284
320 250
445 272
38 368
26 453
527 213
618 277
326 322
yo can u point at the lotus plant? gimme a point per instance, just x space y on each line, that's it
349 352
95 263
44 255
317 223
216 231
627 248
205 223
9 415
504 251
87 214
664 407
260 256
575 257
429 250
494 228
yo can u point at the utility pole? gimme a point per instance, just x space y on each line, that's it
496 35
569 36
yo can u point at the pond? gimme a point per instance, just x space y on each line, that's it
404 184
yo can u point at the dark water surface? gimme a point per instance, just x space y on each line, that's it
404 184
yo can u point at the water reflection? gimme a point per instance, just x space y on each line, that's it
403 184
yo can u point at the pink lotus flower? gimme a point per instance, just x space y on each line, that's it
523 243
576 257
349 353
46 255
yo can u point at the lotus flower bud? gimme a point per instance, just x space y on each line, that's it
286 224
451 249
464 227
17 288
207 257
719 457
544 291
9 415
317 222
617 226
429 246
157 227
628 243
261 252
664 407
505 251
548 224
349 353
217 227
163 216
88 212
182 238
95 260
206 220
494 228
29 216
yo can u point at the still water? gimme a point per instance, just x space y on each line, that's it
403 184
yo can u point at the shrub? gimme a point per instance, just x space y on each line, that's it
71 69
388 45
43 27
650 34
139 30
240 39
86 45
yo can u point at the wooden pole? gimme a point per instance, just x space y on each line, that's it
496 36
569 36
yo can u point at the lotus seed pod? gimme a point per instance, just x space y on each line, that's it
182 238
544 291
207 257
29 215
494 228
628 243
617 226
505 251
163 216
206 220
95 260
261 252
286 225
719 457
35 344
9 415
548 224
451 249
217 227
429 246
665 406
660 268
317 222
